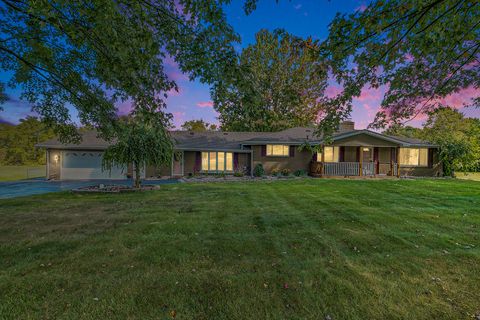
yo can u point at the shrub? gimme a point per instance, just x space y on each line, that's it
238 174
300 173
275 172
259 171
285 172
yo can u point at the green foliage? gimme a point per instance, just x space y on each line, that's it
458 138
141 142
96 54
17 142
404 131
198 125
277 85
286 172
238 174
300 173
276 172
307 146
258 171
420 50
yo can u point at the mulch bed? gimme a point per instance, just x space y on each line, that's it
113 188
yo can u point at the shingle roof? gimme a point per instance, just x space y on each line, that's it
218 140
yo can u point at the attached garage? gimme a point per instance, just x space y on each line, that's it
82 165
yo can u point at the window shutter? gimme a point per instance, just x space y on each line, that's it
264 151
315 157
430 157
358 154
235 161
198 161
341 156
291 152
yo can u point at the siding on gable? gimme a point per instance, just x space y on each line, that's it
364 140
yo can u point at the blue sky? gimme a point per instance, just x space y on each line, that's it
302 18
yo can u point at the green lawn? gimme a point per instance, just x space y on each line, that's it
304 249
11 173
469 176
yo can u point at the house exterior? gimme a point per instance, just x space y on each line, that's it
350 153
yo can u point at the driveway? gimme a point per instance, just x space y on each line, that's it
22 188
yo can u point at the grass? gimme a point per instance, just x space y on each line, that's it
299 249
11 173
475 176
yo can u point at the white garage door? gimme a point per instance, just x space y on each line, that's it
81 165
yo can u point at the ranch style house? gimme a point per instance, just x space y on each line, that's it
349 153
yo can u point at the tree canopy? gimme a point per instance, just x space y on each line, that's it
277 85
457 137
198 125
92 55
17 142
420 50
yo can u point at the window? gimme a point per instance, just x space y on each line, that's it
414 157
332 154
217 161
278 150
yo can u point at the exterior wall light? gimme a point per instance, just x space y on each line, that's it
366 149
56 157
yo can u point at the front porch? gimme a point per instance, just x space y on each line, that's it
356 161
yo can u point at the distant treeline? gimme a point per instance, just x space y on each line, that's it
17 142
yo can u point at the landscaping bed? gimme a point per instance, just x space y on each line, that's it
113 188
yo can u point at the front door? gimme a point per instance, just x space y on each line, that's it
177 164
368 165
367 154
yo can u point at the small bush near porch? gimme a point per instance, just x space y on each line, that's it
300 249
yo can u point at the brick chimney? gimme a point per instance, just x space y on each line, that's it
346 126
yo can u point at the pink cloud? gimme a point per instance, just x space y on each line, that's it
176 75
332 91
124 108
459 99
370 94
178 118
361 8
205 104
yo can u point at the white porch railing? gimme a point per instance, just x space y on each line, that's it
368 168
395 169
342 168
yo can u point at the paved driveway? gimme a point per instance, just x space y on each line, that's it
21 188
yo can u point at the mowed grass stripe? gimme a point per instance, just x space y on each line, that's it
297 249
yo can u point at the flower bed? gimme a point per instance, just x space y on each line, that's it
112 188
226 178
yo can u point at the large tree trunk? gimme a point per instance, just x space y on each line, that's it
137 175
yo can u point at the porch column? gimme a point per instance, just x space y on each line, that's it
360 162
398 162
322 168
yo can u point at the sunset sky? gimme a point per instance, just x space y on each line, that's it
301 18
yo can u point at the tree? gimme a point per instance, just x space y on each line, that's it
458 138
141 141
93 55
404 131
276 85
420 50
17 142
198 125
